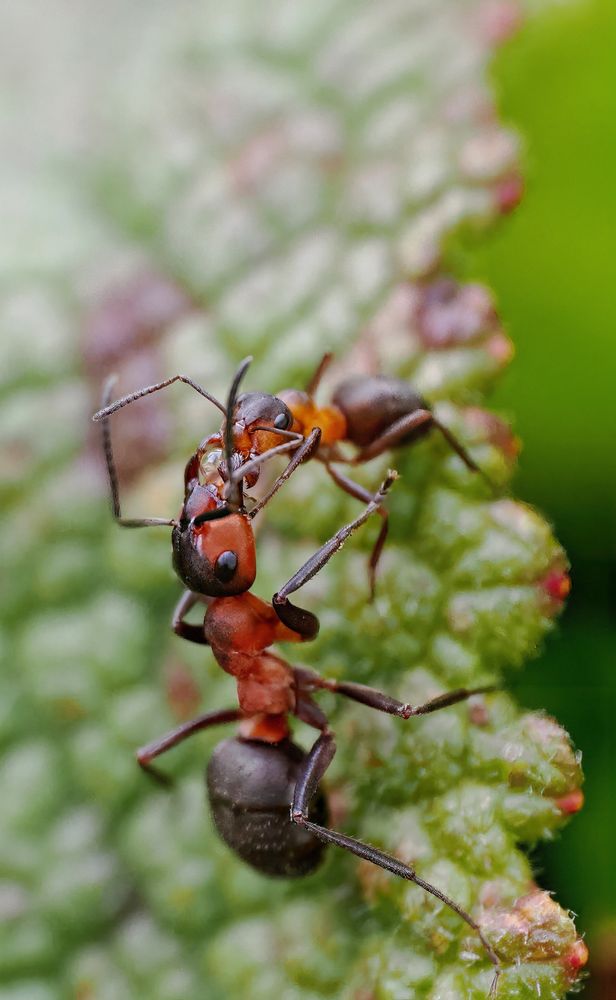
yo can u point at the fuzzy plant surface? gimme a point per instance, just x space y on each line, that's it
190 183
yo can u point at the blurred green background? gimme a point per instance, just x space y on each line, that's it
552 267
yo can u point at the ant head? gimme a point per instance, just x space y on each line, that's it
262 409
214 548
261 421
301 407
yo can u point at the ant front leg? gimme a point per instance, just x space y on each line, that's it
304 622
313 770
112 472
304 450
360 493
146 754
194 633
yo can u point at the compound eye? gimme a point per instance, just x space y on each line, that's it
225 566
283 421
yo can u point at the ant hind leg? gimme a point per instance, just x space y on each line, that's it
411 427
313 770
308 680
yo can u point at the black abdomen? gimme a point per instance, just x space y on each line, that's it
250 787
372 403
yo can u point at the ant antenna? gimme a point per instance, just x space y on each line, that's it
112 473
110 408
234 487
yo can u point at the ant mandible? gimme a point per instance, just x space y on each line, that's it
263 788
372 412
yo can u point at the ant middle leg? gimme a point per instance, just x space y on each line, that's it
308 680
304 450
311 774
360 493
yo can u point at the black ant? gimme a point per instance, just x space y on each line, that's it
372 412
264 789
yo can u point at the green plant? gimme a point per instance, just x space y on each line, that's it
303 176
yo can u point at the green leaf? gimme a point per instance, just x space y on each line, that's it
195 182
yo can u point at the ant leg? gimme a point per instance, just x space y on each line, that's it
415 422
304 622
373 698
306 709
412 423
313 769
305 451
110 407
360 493
112 472
461 451
297 442
194 633
146 754
315 378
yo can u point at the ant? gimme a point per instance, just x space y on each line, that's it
263 788
372 412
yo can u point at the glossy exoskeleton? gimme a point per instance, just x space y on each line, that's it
250 786
374 413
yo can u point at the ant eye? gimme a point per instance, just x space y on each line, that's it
225 566
282 422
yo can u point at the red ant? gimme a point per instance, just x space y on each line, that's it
372 412
264 789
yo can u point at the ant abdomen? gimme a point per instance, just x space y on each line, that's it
250 787
373 403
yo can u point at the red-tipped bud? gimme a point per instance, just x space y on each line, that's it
508 193
501 348
570 803
555 587
492 429
575 959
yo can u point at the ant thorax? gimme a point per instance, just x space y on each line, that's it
308 414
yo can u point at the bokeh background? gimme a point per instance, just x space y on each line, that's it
551 264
